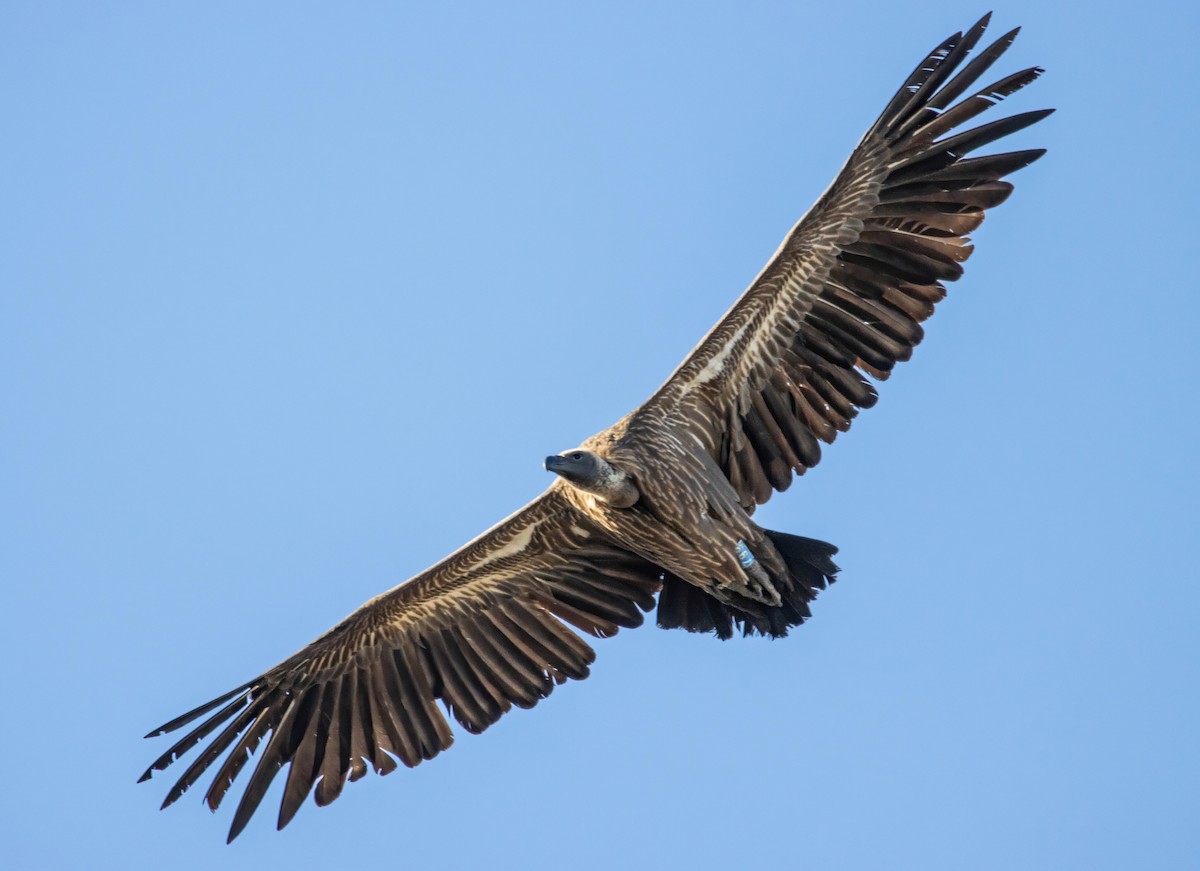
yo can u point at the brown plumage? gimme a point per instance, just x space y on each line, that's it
660 503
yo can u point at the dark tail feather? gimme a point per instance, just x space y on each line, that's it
684 606
810 561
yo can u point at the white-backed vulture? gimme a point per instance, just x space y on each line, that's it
661 503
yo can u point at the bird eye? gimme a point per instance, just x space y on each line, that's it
577 456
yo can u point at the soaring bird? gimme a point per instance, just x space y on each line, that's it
662 502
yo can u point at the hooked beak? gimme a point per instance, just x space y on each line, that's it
554 463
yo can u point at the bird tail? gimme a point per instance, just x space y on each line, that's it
810 569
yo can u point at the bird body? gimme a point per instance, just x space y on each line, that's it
660 504
686 518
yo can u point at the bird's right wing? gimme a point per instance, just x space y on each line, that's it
483 630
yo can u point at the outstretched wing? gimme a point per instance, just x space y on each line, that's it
845 295
482 631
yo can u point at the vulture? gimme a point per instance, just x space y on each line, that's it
658 508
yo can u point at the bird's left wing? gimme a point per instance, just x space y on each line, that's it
483 630
845 295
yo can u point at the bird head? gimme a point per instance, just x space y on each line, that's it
577 466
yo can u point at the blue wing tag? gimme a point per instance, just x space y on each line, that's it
744 556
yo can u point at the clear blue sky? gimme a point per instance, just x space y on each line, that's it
295 297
